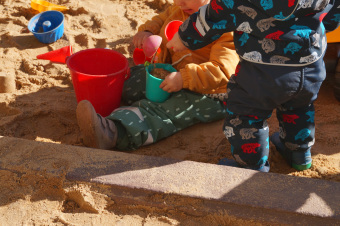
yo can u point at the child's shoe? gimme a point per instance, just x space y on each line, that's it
97 131
298 160
233 163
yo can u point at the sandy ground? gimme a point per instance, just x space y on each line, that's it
42 107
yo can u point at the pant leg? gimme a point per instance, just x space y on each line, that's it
249 139
253 93
134 87
258 89
296 116
297 128
146 122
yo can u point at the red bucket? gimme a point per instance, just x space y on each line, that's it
98 76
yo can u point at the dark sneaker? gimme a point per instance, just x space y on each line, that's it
265 168
298 160
97 131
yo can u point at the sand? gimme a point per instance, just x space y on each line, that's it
40 105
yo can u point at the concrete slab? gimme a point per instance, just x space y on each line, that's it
192 187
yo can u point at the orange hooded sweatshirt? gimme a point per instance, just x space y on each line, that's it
207 70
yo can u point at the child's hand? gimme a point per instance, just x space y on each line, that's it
173 82
139 38
176 44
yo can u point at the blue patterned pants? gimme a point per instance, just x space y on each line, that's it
254 92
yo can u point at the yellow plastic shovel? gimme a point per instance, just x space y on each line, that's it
42 6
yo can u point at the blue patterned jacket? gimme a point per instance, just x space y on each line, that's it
278 32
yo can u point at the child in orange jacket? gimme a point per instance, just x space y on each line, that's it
197 90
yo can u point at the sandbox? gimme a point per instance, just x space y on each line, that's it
47 176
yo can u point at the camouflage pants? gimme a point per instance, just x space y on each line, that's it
145 122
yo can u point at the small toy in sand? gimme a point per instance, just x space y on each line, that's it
98 75
58 55
7 83
139 56
149 51
47 26
153 92
151 44
42 6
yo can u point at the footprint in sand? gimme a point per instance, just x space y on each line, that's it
82 40
85 41
101 43
76 12
28 67
95 24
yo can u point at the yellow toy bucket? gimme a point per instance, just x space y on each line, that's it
333 36
42 6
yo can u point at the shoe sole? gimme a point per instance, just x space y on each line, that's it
301 167
86 119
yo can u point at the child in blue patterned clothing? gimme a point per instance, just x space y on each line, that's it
281 45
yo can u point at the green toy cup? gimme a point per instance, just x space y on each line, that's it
153 92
